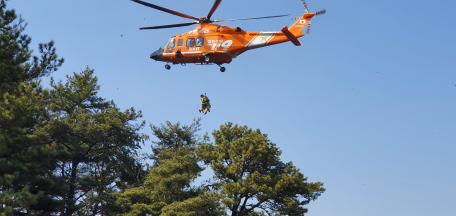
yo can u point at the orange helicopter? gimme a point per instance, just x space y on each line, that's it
209 43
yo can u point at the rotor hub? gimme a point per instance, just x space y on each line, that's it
204 20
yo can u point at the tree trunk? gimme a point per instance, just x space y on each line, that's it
101 186
74 174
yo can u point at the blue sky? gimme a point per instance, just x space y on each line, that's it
366 105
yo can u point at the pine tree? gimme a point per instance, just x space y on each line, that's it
167 190
250 175
96 145
125 171
24 161
61 151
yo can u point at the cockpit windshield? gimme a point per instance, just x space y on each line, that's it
164 45
171 44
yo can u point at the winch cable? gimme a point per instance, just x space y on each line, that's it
205 81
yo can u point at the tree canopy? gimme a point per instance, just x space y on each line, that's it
60 148
167 189
250 175
24 162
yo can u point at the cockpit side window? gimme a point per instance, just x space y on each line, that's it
190 42
171 44
199 42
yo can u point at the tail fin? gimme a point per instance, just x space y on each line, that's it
304 20
299 25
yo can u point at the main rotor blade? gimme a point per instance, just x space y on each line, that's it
214 7
169 26
165 10
250 18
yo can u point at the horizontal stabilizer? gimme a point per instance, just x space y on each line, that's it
290 36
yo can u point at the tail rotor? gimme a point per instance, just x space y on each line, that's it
307 12
316 13
305 6
306 17
320 12
308 28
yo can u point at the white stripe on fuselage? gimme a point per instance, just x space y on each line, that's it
271 38
251 40
182 53
262 39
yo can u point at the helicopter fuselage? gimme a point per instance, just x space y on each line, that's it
218 44
209 43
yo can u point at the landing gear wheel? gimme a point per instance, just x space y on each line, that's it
167 67
222 69
207 59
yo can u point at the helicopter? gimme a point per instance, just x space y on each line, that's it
210 43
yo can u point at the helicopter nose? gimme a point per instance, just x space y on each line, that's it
157 55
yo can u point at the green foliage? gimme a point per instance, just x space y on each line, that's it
24 162
167 190
250 175
95 143
205 204
61 151
15 64
174 137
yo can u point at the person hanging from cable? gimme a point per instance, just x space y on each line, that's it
205 105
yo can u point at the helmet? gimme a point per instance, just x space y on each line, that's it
202 95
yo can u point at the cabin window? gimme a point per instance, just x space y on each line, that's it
199 42
171 44
190 42
218 29
180 42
